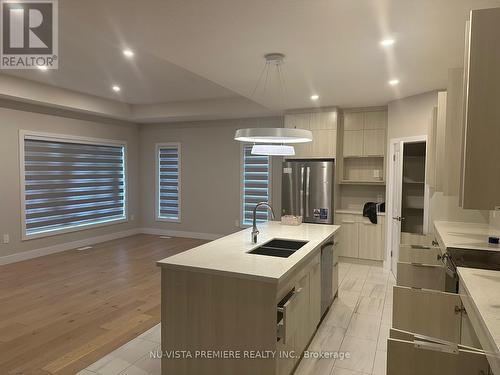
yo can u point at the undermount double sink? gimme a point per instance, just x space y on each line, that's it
278 248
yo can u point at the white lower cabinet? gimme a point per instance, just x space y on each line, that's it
419 254
300 304
431 333
335 273
412 354
421 275
359 238
314 296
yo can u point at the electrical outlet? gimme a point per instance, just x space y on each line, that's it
6 238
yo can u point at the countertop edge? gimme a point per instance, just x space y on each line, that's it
162 264
355 212
493 351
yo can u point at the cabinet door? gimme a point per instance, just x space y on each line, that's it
300 121
427 312
353 142
440 141
431 150
481 152
453 132
413 355
324 120
303 333
353 120
324 143
374 142
335 273
375 120
285 364
348 237
370 241
315 295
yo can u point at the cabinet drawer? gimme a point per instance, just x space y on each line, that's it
427 312
421 275
289 308
410 354
419 254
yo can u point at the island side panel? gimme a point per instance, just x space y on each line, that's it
207 312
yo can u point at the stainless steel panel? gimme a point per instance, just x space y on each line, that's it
319 192
292 186
307 190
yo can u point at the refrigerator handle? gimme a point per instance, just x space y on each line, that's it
301 208
308 183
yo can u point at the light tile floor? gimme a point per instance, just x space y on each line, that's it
358 322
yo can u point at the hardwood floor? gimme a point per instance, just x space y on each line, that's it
60 313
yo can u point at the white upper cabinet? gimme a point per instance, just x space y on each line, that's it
364 133
480 177
323 126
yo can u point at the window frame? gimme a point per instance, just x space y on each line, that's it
242 225
158 146
68 138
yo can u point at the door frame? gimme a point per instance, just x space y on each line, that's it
390 189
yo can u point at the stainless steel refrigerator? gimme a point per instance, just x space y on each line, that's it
307 190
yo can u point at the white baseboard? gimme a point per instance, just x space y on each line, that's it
65 246
107 237
179 233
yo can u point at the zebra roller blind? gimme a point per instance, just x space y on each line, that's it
256 184
168 197
69 185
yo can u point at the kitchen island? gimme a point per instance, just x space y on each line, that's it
227 311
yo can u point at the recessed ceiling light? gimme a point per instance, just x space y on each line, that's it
387 42
116 88
314 97
43 68
394 82
128 53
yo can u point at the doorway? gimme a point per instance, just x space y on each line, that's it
408 194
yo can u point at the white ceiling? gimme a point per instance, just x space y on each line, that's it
192 50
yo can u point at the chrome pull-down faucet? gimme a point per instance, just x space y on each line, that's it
255 231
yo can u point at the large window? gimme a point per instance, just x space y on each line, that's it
168 195
256 186
70 183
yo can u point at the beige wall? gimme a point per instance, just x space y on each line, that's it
10 207
410 117
210 174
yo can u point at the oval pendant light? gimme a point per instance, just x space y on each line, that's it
280 136
273 135
273 150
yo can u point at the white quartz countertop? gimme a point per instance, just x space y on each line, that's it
228 255
455 235
355 212
481 299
